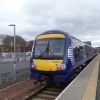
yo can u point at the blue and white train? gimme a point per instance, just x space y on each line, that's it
56 54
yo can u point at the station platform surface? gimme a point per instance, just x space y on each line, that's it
84 86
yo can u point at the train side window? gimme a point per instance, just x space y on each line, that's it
82 52
87 51
78 53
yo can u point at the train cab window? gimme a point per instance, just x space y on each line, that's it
56 47
49 48
40 46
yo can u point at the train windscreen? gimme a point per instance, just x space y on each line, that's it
49 48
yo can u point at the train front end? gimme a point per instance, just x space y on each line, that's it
49 58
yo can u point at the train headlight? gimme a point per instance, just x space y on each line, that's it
61 67
33 66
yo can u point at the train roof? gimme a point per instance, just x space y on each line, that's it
59 32
55 31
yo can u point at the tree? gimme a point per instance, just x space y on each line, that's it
9 44
20 44
29 45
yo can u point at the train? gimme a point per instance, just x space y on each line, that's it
56 55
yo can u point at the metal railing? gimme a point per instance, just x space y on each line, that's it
9 77
9 57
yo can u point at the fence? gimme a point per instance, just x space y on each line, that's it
8 78
9 57
9 73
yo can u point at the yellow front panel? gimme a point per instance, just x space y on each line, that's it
47 65
51 36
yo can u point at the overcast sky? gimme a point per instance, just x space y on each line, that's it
81 18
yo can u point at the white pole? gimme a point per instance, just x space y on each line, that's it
14 65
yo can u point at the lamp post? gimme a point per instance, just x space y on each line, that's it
14 37
14 65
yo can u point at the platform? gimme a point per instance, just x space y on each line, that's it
84 86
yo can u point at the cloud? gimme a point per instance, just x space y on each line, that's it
79 18
32 17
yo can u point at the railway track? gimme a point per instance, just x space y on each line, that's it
20 91
47 93
28 90
50 91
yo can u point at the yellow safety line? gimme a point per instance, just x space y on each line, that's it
90 91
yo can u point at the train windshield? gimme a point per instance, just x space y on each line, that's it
49 48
